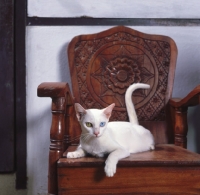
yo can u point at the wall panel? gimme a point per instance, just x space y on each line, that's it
114 9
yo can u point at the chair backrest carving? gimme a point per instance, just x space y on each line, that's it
103 65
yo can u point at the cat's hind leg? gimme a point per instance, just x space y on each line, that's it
76 154
152 147
100 155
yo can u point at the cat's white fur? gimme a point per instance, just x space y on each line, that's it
116 139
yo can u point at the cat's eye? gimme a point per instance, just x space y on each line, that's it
88 124
102 124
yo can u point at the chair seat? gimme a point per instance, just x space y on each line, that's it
163 155
142 173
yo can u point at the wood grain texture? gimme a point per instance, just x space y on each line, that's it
54 89
130 180
167 170
163 155
103 65
61 101
180 106
192 99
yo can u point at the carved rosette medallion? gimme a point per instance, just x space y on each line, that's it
120 73
107 66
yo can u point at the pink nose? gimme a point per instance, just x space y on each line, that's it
96 133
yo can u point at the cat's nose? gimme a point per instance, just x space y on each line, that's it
96 133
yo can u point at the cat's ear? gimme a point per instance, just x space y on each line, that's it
108 110
80 111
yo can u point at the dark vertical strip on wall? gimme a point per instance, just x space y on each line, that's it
6 87
20 93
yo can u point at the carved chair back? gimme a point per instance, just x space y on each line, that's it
103 65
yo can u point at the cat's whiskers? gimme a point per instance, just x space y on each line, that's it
74 139
85 137
97 147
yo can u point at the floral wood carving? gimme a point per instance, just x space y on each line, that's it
106 66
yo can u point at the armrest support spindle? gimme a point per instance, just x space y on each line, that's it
61 98
180 108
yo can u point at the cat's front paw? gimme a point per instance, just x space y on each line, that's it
76 154
110 169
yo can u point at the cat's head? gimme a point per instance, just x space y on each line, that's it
93 121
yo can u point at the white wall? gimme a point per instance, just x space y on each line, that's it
115 9
47 61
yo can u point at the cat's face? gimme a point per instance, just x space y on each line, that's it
93 121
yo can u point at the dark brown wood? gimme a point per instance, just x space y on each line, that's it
130 180
163 155
158 129
56 137
73 128
7 162
192 99
167 170
61 100
102 66
181 127
54 89
180 106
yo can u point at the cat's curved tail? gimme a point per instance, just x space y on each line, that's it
129 103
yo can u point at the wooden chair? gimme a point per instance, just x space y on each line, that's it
102 66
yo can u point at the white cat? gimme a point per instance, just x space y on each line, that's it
115 139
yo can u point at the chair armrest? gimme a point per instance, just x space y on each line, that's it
192 99
179 112
55 90
62 101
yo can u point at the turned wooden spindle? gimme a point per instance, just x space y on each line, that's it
61 100
181 127
56 138
67 136
180 109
